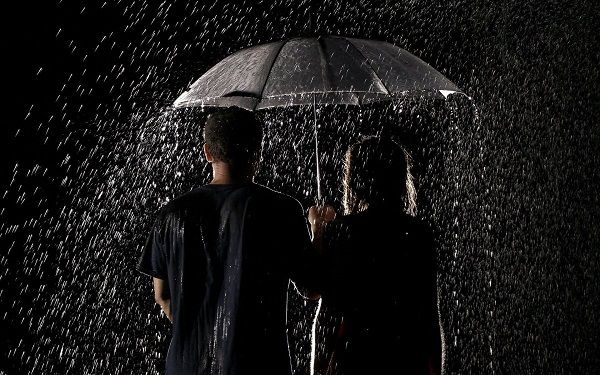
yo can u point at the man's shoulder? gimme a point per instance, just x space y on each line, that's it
277 197
183 201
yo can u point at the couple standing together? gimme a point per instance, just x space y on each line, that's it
222 255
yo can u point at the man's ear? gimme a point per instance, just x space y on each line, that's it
207 154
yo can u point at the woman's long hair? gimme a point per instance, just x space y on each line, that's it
377 176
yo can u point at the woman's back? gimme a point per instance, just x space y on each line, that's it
381 278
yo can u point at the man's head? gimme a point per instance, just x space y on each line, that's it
233 136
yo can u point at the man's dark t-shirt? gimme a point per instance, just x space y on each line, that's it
228 252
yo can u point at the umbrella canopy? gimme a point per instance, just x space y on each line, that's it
323 70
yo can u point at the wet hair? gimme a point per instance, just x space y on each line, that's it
377 175
234 136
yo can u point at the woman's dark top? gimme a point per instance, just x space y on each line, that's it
380 276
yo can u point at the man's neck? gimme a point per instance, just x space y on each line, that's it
222 175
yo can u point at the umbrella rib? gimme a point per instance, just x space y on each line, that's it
325 73
371 66
271 68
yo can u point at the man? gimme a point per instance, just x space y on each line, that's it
221 257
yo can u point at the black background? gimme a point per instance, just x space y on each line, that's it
531 67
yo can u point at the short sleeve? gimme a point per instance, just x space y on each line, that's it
153 260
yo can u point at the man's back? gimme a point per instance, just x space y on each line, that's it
227 252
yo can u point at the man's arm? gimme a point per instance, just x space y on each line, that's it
304 260
318 217
162 296
311 259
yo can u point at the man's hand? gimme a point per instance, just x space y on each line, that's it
318 215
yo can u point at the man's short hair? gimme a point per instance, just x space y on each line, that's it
233 135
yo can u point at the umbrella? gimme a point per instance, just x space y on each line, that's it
311 71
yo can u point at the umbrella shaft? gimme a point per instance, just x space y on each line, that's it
319 197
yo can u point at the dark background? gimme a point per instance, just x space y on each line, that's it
521 296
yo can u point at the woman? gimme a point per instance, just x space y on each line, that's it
379 268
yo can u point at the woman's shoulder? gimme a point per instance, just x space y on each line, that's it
373 222
354 224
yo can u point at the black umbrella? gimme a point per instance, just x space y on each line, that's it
323 70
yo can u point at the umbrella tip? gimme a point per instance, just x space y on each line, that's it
446 93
